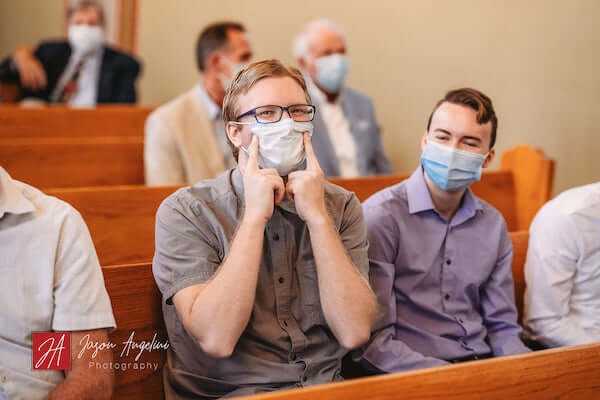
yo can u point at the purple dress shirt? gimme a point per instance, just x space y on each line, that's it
444 289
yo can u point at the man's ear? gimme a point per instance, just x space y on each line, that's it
234 133
490 157
424 141
302 63
213 61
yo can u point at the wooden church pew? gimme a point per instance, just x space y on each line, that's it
65 122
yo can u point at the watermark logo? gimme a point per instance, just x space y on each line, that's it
52 350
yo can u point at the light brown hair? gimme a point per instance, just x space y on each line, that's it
85 4
246 78
476 100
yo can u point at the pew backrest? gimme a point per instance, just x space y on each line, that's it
520 241
74 162
518 190
120 219
65 122
564 373
136 303
495 187
533 175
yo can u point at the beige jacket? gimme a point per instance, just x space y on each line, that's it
180 146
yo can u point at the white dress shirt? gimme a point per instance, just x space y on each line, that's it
562 300
339 132
87 83
50 280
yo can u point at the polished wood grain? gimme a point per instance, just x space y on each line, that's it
73 162
533 173
136 303
520 241
120 219
567 373
66 122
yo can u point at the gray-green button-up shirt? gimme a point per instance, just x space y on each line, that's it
287 342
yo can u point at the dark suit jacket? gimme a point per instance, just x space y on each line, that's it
118 72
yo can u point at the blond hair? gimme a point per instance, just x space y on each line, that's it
246 78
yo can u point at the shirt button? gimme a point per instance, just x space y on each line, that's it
447 296
281 280
276 237
448 261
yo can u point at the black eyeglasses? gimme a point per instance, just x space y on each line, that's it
271 113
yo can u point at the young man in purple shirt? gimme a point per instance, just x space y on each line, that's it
440 258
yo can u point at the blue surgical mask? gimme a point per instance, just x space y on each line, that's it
331 72
450 168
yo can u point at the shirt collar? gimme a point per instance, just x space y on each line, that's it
12 199
237 180
212 109
419 198
96 55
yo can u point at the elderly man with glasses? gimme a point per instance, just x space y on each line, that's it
263 270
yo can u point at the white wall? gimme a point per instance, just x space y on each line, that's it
539 61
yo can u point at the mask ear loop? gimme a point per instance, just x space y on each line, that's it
242 123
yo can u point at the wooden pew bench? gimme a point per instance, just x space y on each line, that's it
65 147
136 302
565 373
65 122
121 218
74 162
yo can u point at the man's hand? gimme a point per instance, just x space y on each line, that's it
306 188
263 188
31 71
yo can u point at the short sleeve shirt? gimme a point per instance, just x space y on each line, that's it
50 280
287 342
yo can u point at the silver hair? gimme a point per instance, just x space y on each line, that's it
300 42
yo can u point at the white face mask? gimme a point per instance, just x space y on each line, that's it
281 144
85 38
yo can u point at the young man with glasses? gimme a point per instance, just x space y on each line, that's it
263 269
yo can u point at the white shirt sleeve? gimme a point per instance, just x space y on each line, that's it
80 298
553 255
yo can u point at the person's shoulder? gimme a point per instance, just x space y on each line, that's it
337 194
121 57
52 49
208 194
54 44
356 96
46 206
392 198
562 211
175 109
575 199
